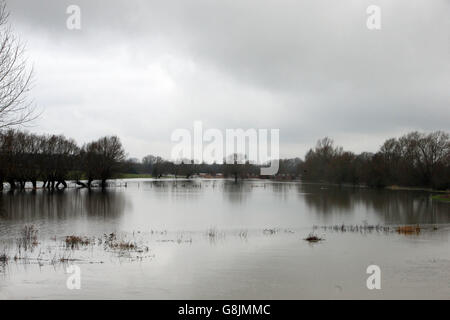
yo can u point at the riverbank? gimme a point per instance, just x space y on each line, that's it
417 189
135 176
442 197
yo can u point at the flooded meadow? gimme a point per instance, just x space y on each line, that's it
214 239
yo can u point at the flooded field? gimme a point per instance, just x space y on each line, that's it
213 239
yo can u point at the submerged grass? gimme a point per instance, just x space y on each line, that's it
28 238
74 242
3 258
212 233
215 235
270 231
408 229
56 254
243 234
365 228
133 246
122 245
313 238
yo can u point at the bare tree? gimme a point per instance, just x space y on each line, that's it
15 77
102 159
235 166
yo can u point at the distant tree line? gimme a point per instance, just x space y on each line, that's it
54 159
415 159
236 168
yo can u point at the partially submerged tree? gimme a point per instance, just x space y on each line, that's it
102 159
54 159
59 156
234 166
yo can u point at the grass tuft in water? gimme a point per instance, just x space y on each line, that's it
408 229
313 238
4 258
74 242
28 238
270 231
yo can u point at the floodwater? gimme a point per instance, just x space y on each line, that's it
213 239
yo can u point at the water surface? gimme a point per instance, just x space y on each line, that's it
213 239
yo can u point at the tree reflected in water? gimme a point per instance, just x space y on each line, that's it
26 206
391 206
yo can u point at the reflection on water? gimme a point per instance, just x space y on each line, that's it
198 205
392 207
27 206
201 204
59 209
212 231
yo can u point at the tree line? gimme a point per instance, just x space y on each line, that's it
159 167
55 159
415 159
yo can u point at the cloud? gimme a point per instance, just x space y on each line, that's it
141 69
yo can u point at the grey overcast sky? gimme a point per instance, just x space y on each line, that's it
311 68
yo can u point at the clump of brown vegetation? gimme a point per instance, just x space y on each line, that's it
113 243
313 238
75 242
408 229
